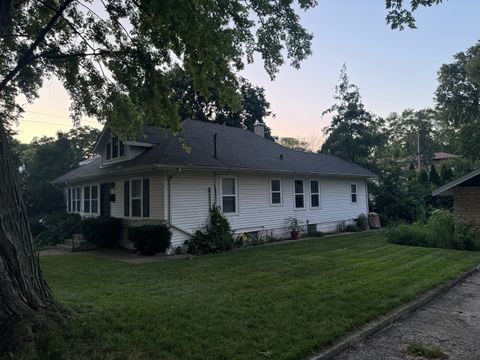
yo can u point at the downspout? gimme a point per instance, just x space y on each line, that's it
366 196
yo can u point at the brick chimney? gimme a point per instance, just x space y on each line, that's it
259 129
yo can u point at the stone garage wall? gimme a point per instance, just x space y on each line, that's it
466 205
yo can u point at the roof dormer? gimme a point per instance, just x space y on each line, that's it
113 150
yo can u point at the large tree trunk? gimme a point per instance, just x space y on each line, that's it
26 303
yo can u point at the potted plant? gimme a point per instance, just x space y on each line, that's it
294 225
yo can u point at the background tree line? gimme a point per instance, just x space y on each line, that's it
389 146
392 147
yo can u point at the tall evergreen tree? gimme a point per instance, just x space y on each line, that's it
446 174
434 177
354 132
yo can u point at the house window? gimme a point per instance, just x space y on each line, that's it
115 148
299 194
314 194
69 200
90 199
136 198
75 198
353 189
136 195
276 192
94 204
229 195
86 199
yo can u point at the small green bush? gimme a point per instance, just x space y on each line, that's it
150 239
215 237
442 231
103 231
416 348
441 227
413 235
362 222
351 228
51 229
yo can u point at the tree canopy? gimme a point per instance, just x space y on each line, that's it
115 61
458 102
252 107
46 158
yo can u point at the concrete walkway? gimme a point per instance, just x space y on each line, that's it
114 254
450 322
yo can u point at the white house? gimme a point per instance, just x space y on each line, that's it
256 182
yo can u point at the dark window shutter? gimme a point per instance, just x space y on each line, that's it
146 197
126 198
109 151
122 148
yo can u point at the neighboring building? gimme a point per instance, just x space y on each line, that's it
257 183
466 197
438 159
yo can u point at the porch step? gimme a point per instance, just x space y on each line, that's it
77 245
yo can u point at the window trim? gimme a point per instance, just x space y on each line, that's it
279 191
295 195
236 194
76 199
91 199
316 193
120 148
131 198
352 193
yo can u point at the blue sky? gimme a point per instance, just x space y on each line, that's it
394 70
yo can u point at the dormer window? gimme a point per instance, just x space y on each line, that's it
115 148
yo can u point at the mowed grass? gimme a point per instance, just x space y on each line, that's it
280 301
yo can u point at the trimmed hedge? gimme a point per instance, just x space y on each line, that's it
103 231
150 239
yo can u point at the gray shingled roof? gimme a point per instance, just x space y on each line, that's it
237 149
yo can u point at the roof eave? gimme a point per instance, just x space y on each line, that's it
442 189
209 168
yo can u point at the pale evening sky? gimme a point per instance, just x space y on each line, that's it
394 70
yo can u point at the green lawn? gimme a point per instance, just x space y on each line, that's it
279 301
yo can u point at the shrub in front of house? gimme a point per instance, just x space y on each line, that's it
442 231
351 228
362 222
215 237
150 239
103 231
51 229
413 235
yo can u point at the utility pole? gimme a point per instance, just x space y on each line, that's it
418 151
